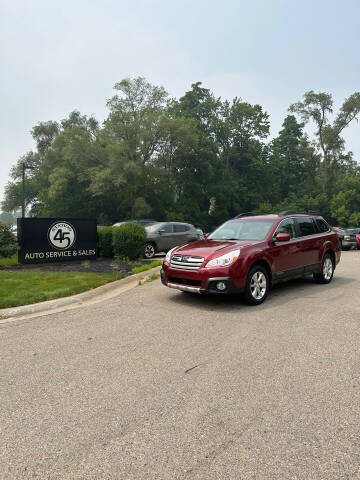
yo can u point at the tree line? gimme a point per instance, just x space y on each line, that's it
198 159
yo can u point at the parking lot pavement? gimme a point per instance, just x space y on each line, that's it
160 384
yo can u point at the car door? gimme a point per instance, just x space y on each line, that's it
287 261
311 242
165 240
182 234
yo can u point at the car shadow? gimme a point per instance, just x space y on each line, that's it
280 294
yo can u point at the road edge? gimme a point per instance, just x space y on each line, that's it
96 295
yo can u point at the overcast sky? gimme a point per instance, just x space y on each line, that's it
57 56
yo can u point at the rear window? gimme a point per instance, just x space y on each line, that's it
322 225
181 228
306 226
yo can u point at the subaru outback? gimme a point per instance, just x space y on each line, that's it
250 253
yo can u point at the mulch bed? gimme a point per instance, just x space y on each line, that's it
101 265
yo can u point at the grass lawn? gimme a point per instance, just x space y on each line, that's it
149 266
23 288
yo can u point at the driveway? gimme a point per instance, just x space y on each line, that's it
160 384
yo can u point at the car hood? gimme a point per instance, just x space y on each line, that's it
206 248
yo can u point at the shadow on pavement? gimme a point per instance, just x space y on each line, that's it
279 295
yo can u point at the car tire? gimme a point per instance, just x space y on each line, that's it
257 285
345 249
150 250
327 270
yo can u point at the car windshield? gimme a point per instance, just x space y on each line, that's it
352 230
153 228
243 230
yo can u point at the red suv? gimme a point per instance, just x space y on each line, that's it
250 253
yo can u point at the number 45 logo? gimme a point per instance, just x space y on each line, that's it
61 235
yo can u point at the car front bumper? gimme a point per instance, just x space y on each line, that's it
206 286
349 243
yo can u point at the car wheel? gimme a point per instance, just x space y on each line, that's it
149 250
327 270
257 285
345 249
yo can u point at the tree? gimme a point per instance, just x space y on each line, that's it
345 204
8 244
141 208
317 107
197 159
7 218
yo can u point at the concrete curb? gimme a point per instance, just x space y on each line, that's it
89 297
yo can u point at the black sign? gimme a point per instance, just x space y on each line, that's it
44 240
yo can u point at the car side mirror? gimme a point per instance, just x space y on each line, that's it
282 237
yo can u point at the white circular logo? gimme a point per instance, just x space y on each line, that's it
61 235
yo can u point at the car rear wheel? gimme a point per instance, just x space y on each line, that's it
150 250
327 270
257 285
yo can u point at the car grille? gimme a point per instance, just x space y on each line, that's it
185 281
184 262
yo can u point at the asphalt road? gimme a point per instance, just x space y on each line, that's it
165 385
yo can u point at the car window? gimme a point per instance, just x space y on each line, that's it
168 227
306 226
287 226
322 226
181 228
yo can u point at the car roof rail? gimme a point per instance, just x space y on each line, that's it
245 214
312 212
288 212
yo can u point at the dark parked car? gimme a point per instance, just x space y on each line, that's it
145 222
349 238
161 237
250 253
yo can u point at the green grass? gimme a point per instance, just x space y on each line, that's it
9 262
143 268
153 277
23 288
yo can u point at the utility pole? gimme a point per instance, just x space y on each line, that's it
23 190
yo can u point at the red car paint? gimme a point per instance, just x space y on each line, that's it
286 259
358 240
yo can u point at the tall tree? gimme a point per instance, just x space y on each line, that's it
317 107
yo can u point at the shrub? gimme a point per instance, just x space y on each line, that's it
105 235
8 243
129 241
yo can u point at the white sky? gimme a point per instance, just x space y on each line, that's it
57 56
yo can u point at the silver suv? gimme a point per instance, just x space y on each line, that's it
162 237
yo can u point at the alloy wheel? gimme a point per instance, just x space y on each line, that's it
258 285
328 268
149 251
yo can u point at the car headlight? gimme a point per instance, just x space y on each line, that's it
225 260
168 255
346 237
